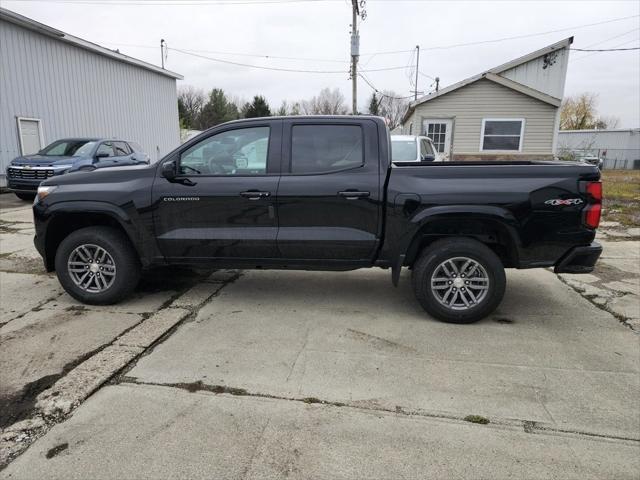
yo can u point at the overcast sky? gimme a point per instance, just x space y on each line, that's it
319 30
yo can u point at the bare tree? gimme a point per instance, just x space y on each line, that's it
327 102
190 103
579 112
392 107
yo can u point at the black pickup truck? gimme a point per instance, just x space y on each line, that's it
320 193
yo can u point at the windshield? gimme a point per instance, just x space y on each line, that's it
404 151
67 148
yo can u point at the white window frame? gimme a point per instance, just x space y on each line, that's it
521 142
40 133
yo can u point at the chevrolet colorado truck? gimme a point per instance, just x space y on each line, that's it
320 193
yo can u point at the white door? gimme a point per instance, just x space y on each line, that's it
439 130
30 135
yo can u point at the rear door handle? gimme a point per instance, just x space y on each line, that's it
353 195
255 194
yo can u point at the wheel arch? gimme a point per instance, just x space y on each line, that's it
66 219
493 226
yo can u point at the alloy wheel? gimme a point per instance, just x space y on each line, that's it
91 268
460 283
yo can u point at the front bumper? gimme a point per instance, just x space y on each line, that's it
579 259
23 186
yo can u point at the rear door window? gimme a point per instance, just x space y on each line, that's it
326 148
105 147
121 149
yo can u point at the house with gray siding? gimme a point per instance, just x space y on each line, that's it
510 112
54 85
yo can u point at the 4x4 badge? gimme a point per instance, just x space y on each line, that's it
567 201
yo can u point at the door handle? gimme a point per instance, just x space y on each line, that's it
353 195
255 194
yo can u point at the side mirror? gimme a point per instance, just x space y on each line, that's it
169 170
102 155
428 158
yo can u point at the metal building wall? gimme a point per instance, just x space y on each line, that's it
76 92
622 146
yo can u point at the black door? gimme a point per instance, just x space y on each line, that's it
329 197
222 204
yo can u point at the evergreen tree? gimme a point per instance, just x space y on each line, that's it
374 105
257 108
218 109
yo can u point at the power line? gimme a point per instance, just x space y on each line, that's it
612 38
614 46
278 69
605 49
496 40
368 82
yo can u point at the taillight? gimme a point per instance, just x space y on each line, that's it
593 210
594 189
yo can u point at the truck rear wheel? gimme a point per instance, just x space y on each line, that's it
97 265
458 280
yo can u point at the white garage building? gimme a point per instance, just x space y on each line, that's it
54 85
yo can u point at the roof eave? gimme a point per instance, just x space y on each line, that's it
43 29
566 43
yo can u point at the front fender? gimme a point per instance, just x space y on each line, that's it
138 230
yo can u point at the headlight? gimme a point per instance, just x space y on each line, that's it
44 191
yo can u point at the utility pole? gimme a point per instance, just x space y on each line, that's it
162 47
415 97
355 53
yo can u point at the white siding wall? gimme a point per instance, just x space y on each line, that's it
76 92
485 99
549 80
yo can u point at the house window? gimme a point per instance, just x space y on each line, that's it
503 134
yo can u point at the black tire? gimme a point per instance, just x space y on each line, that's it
26 196
118 247
431 260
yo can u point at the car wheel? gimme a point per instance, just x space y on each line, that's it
26 196
97 265
458 280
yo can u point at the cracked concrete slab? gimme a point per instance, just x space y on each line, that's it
152 328
21 292
39 347
351 337
197 295
15 242
19 215
85 379
145 432
138 302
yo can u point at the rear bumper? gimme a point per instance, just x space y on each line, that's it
579 259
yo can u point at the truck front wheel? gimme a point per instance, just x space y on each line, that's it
97 265
458 280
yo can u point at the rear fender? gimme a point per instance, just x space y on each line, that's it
489 224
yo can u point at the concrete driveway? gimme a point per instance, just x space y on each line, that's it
340 375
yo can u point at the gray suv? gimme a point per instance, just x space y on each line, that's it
25 173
